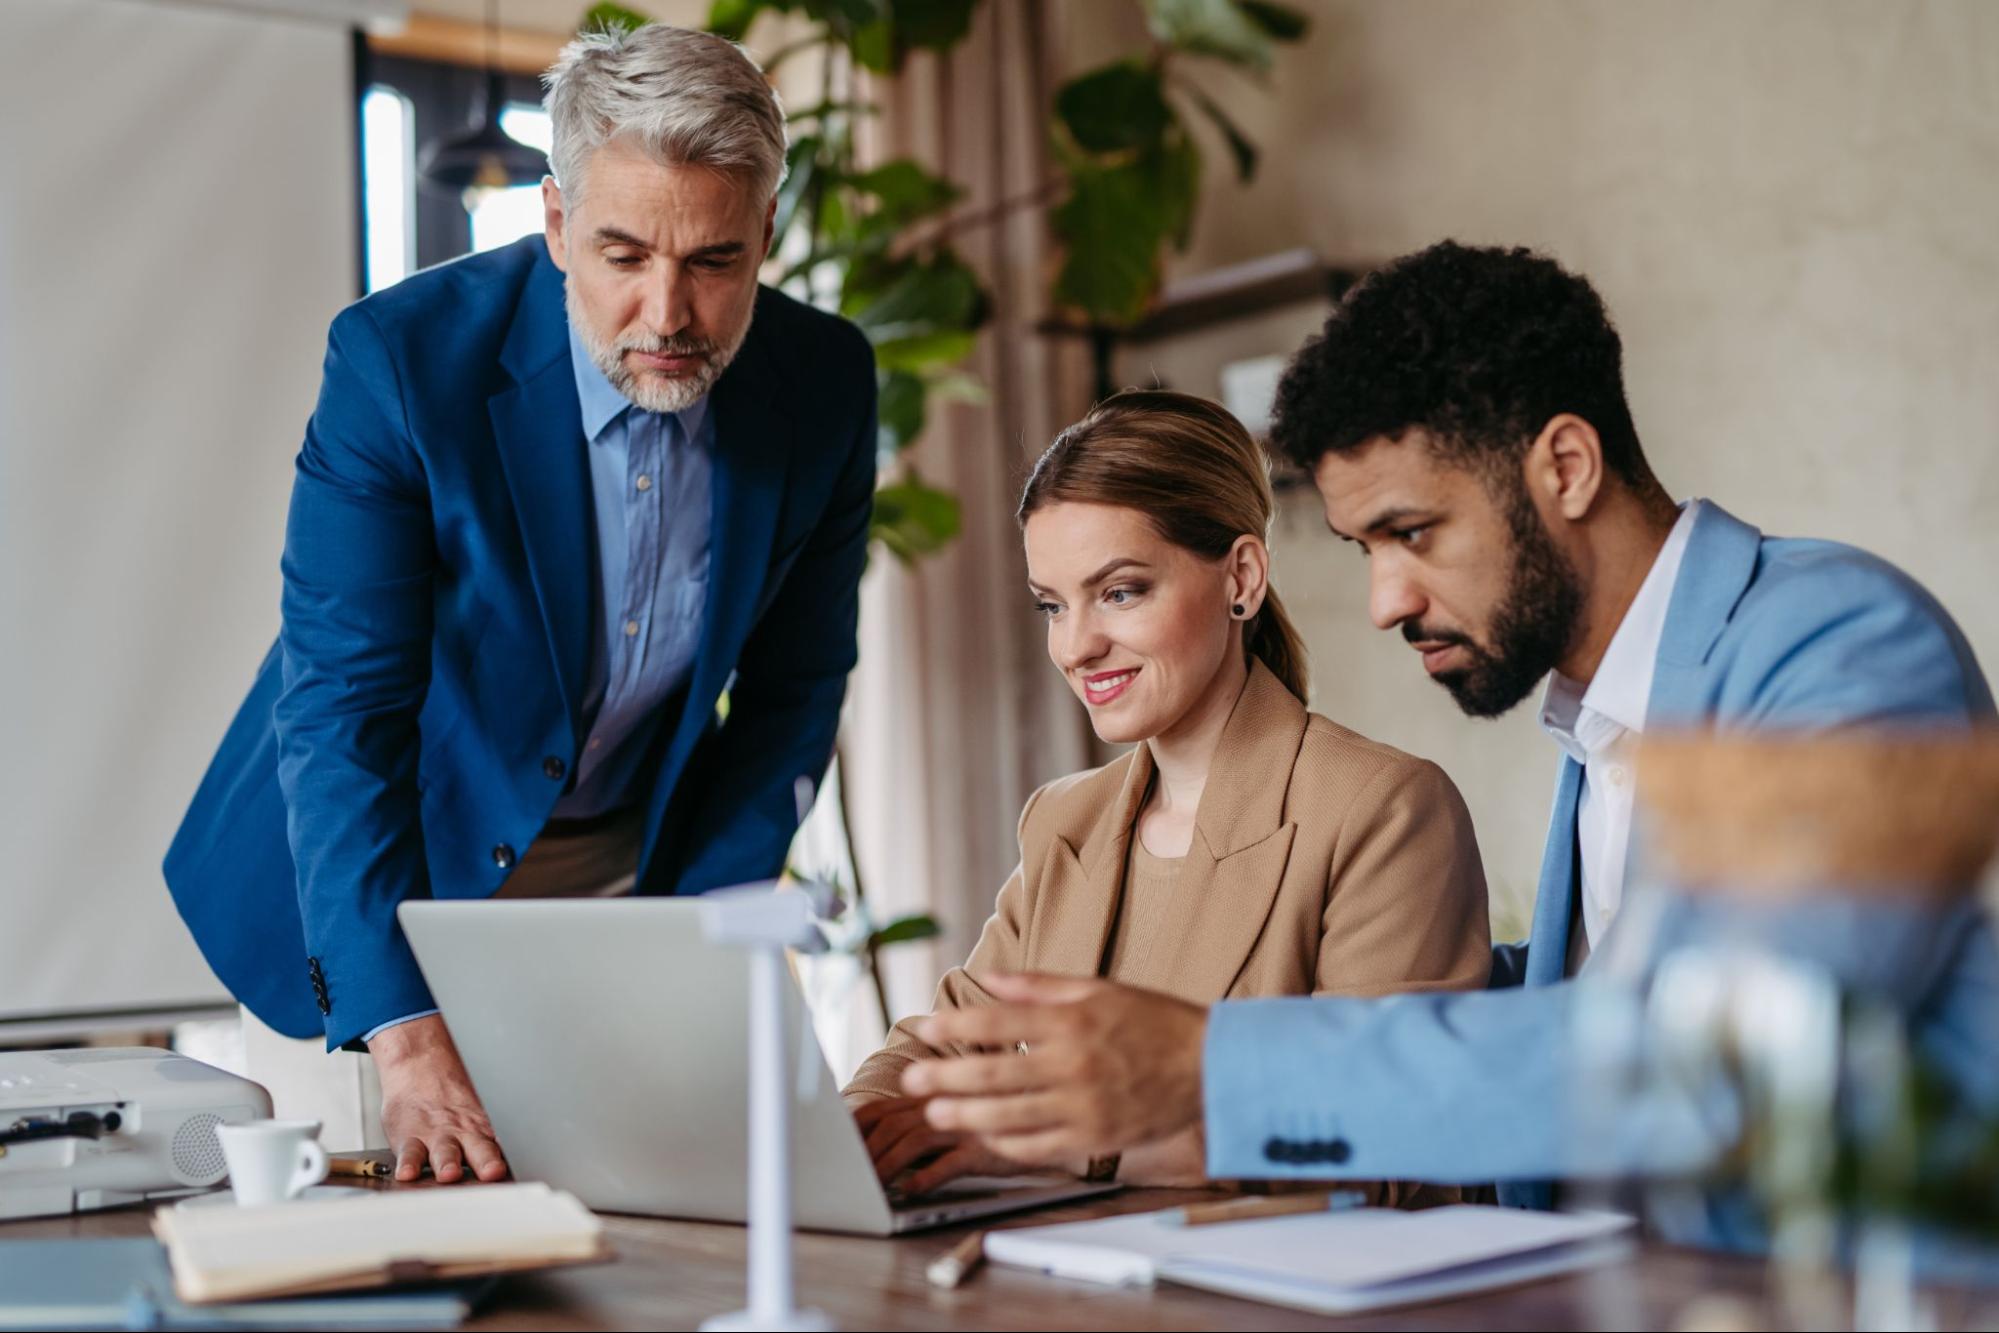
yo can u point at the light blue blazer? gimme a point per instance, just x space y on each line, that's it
1761 633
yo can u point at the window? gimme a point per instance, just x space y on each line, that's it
388 182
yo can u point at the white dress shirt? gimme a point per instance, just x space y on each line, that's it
1600 725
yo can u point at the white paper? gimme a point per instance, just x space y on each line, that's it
1348 1251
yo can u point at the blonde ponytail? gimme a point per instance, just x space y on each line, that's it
1274 640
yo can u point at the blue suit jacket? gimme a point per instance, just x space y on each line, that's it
1761 633
416 721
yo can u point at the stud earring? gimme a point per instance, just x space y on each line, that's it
1237 608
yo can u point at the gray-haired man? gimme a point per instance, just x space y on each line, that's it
553 500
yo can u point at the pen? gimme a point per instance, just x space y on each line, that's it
1262 1205
957 1263
365 1167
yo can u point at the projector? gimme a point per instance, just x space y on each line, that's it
103 1127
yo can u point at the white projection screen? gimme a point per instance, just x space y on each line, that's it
177 227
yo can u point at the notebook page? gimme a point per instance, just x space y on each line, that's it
1366 1247
1362 1247
284 1245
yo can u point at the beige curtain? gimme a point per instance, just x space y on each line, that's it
955 714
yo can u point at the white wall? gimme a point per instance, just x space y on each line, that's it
176 229
1790 208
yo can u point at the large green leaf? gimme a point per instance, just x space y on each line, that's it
1172 171
1115 108
1240 147
912 297
834 218
873 46
1111 231
1211 28
932 25
910 25
845 14
904 191
899 412
913 520
909 387
606 16
732 18
926 351
1114 222
1281 22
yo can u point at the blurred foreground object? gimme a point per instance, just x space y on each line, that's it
1912 816
1802 899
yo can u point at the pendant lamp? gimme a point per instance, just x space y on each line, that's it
486 157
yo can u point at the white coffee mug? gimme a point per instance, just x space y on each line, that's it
272 1160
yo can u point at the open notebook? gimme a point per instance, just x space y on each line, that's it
374 1239
1332 1262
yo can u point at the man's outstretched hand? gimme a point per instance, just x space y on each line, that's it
1105 1067
429 1111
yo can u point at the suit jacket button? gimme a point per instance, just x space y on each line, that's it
503 856
1338 1150
1276 1149
553 768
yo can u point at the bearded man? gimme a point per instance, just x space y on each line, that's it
1464 420
554 501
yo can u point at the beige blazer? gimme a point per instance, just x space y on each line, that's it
1322 863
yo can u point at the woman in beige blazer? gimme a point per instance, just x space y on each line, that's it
1243 846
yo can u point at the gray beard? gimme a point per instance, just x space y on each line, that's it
655 393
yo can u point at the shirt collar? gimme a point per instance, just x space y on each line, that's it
602 403
1615 702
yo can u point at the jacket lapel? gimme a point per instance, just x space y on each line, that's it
1080 889
1232 872
1719 563
1224 901
1717 569
1242 843
538 431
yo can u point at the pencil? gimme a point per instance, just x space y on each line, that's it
957 1263
365 1167
1262 1205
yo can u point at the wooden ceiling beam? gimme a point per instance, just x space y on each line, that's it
454 42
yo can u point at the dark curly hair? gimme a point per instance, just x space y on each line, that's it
1479 346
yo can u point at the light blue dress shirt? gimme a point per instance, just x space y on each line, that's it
651 480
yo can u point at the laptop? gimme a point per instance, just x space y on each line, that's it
608 1041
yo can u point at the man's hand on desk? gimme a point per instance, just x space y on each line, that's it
899 1138
1106 1067
429 1111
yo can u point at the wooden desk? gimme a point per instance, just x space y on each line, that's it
675 1274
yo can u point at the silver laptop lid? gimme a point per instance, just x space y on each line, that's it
608 1041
